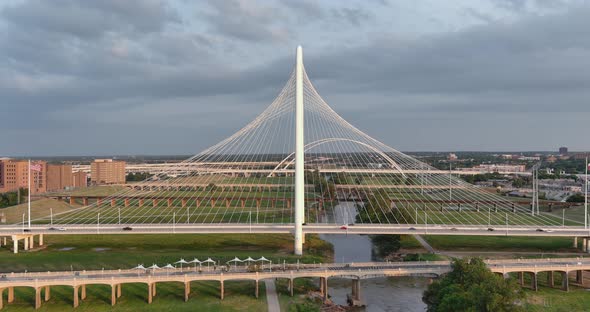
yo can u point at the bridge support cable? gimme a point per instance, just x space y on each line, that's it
300 162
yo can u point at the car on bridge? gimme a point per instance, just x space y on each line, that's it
56 229
127 228
344 227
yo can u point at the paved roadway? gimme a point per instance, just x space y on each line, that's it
473 230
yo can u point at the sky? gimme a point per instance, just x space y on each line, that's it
116 77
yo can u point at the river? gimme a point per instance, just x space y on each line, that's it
379 294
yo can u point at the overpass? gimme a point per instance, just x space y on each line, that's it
180 168
42 282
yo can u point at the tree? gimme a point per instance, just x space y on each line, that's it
576 198
471 286
385 244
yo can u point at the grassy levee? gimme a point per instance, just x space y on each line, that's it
409 242
39 208
501 243
79 252
100 190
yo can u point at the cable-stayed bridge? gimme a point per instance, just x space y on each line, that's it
299 168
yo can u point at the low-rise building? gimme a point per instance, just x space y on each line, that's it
107 171
491 168
59 177
14 174
80 179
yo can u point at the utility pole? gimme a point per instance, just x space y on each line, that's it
299 154
533 195
450 182
29 193
586 196
537 189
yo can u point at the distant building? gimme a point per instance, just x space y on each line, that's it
491 168
14 174
563 150
59 177
107 171
582 156
80 179
529 157
452 156
551 159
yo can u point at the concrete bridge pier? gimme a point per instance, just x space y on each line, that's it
10 295
187 290
534 283
575 245
550 279
221 288
565 285
37 298
76 298
113 294
521 278
355 298
28 240
324 287
150 293
580 277
256 289
83 292
47 293
291 287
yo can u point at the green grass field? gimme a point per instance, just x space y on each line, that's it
39 208
556 300
501 243
64 252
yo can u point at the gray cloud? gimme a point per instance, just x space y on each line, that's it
140 72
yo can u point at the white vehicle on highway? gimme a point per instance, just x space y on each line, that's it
57 229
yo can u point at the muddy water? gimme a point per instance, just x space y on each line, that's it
379 294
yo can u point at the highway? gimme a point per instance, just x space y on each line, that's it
235 228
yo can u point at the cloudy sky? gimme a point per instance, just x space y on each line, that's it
174 77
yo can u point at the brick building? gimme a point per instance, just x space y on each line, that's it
80 179
107 171
59 177
14 174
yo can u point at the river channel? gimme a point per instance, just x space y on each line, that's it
378 294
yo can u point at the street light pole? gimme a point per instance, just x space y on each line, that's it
586 197
29 195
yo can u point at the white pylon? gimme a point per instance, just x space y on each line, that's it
299 154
